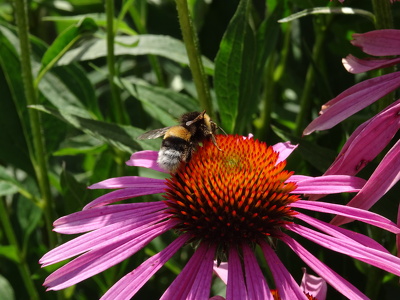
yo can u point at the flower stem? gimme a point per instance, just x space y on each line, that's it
384 20
21 263
192 48
38 154
117 107
306 99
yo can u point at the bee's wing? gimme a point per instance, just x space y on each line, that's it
153 134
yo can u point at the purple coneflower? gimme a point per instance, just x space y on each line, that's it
371 137
227 203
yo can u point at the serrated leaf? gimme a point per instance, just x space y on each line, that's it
234 67
145 44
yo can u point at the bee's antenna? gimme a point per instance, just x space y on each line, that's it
222 130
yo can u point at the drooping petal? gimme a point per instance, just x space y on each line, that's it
96 261
202 283
129 182
374 257
356 65
128 285
98 217
256 284
367 141
334 279
313 285
146 159
382 179
284 282
185 281
329 184
98 239
284 149
123 194
350 212
353 100
236 288
341 232
383 42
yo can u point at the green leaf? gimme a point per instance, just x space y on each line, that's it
6 290
145 44
63 43
99 19
29 216
234 68
74 192
120 136
9 252
162 104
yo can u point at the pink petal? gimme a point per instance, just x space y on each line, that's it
382 179
128 182
398 235
236 288
256 284
379 259
341 232
353 100
128 285
313 285
202 283
334 279
185 283
284 149
367 141
98 239
146 159
384 42
123 194
350 212
96 261
328 184
355 65
91 219
284 282
221 271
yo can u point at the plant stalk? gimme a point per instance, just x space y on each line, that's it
192 48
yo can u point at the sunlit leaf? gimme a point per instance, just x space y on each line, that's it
161 45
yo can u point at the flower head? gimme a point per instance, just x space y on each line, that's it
227 203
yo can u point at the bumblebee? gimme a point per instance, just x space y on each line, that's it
180 141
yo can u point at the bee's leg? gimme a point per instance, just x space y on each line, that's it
215 142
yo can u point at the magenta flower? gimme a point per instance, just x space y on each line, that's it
371 137
226 202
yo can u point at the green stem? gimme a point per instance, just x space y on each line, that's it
306 99
384 20
192 48
39 156
116 103
22 263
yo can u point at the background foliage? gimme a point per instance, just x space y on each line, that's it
103 72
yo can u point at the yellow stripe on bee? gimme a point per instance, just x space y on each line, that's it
178 131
